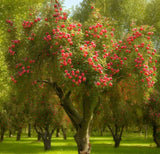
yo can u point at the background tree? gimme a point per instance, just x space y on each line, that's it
122 12
83 8
152 18
152 108
46 114
4 123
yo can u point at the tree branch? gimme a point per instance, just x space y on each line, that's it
67 105
111 131
121 131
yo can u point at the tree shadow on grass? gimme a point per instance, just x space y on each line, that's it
26 146
109 149
60 146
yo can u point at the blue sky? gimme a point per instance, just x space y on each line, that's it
69 3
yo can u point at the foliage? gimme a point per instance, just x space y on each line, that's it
4 79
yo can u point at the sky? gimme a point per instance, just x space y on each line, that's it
69 3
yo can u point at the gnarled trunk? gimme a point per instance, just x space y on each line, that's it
82 140
19 134
81 122
156 135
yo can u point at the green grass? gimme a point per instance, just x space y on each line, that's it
131 144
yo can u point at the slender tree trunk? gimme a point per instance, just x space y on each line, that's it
10 133
19 134
64 130
156 135
102 130
58 132
146 130
2 134
29 130
39 137
39 134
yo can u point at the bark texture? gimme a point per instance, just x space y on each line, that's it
47 140
82 122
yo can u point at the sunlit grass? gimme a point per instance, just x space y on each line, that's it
131 144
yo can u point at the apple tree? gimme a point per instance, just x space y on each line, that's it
78 59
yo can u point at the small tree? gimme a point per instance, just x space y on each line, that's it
152 108
46 114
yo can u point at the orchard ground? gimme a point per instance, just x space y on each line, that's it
133 143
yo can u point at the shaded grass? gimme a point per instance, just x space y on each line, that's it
131 144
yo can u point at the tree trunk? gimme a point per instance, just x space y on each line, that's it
116 134
2 134
64 130
47 140
29 130
117 142
81 122
46 135
156 135
82 140
19 134
10 133
146 130
47 144
39 137
58 132
102 131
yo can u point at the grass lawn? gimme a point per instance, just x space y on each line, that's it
131 144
